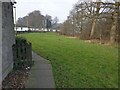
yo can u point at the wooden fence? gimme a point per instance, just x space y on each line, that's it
22 54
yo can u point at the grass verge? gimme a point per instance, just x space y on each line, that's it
77 63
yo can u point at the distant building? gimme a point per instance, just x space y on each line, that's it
7 37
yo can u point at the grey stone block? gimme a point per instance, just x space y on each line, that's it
7 38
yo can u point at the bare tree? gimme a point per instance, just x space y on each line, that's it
115 23
54 23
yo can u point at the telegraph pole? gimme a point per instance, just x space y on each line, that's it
27 23
15 20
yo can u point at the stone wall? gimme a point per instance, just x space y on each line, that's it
7 38
0 43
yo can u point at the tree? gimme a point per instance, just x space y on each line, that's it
115 23
93 20
48 22
20 22
67 28
55 23
34 20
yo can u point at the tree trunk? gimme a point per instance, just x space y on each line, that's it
100 36
95 20
115 23
112 34
93 28
47 29
118 31
56 30
51 30
21 28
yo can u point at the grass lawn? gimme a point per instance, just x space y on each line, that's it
76 63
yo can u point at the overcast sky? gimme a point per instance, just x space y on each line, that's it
59 8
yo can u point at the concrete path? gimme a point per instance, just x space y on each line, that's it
41 74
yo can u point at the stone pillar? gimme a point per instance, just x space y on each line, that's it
7 37
0 44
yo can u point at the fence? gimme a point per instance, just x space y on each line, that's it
22 54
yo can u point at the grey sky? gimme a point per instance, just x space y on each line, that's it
59 8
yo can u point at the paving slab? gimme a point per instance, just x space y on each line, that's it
41 75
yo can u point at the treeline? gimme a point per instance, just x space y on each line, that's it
36 20
93 20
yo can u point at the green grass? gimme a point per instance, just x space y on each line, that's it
77 63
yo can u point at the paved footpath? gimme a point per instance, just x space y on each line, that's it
41 74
